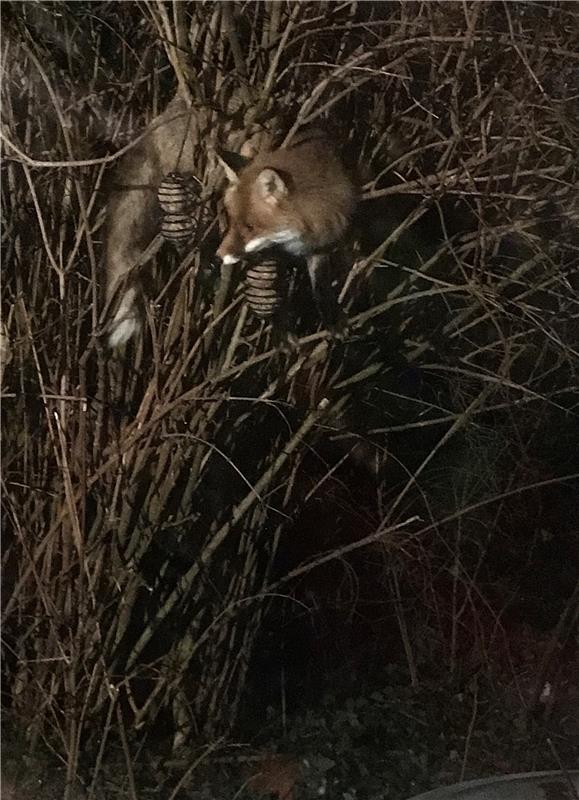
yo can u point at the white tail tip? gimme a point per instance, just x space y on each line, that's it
122 332
125 323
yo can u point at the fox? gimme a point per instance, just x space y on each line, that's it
300 199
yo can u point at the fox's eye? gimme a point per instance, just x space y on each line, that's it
249 227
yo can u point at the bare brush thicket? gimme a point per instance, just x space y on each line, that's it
145 497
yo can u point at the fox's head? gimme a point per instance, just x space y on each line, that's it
259 208
300 198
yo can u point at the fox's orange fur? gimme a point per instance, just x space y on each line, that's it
300 199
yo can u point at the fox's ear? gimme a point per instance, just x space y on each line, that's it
232 163
271 186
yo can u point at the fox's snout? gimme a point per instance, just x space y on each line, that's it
231 248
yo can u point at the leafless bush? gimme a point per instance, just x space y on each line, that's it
145 502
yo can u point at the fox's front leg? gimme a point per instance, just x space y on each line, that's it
325 285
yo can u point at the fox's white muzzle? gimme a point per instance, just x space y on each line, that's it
289 240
